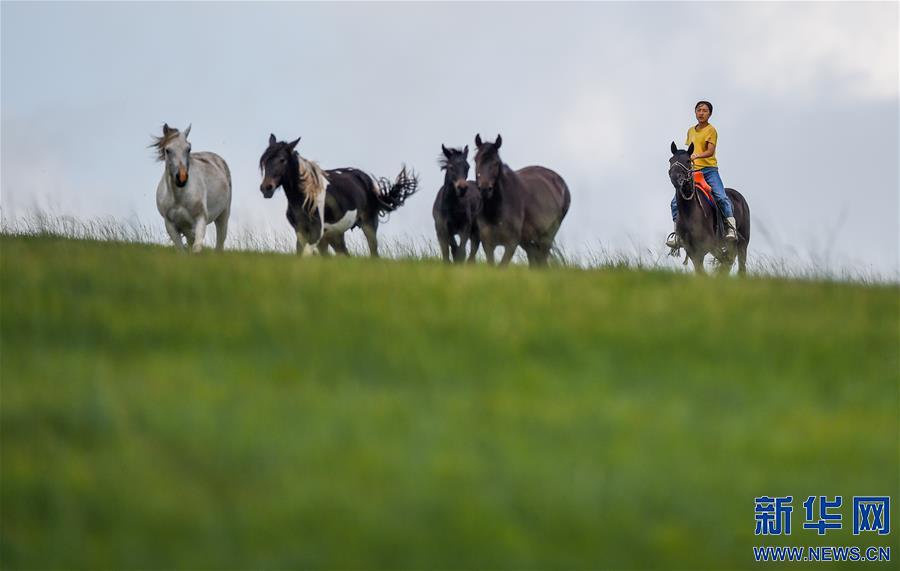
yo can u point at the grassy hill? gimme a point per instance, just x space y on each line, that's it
248 410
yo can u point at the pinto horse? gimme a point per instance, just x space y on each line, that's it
697 223
324 204
519 208
456 207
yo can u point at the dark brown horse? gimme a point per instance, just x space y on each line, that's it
698 222
323 204
519 208
456 207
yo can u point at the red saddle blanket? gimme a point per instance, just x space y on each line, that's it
700 183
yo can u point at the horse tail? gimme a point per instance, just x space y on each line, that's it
745 231
567 200
391 195
227 174
738 200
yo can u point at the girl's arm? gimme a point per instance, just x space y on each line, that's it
710 151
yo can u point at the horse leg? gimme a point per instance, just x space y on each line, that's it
459 250
444 243
725 266
221 230
340 245
370 230
489 253
301 243
199 234
508 251
697 259
731 251
473 249
445 248
532 254
322 247
175 235
742 258
542 251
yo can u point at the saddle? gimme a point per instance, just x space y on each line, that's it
701 184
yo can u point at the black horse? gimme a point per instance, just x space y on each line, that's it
456 207
323 204
698 222
519 208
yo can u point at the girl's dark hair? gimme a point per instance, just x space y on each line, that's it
707 103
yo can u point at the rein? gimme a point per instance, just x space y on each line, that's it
682 186
693 194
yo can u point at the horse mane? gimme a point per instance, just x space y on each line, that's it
159 143
312 182
443 161
270 150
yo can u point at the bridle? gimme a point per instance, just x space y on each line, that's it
689 178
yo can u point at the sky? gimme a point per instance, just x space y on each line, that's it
806 97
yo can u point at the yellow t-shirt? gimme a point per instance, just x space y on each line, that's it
705 135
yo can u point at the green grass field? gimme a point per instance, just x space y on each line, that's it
249 410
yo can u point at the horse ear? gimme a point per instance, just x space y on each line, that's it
674 148
466 152
691 149
272 139
478 142
166 128
293 143
498 142
187 132
445 150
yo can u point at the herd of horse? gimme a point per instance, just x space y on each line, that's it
514 209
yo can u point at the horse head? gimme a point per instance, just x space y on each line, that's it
680 168
455 163
488 165
174 149
275 164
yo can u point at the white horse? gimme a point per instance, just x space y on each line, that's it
195 190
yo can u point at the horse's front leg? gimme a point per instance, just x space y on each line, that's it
697 260
199 234
508 251
455 248
473 251
175 235
444 244
301 243
489 253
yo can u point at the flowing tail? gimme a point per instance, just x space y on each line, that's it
392 195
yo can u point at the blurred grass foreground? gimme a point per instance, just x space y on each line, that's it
255 410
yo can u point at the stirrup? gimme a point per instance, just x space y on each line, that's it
673 241
730 234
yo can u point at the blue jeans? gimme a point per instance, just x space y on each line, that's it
711 174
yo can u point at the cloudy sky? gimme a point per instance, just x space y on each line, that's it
806 104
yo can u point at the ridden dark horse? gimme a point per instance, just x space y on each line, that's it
697 221
324 204
456 207
519 208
